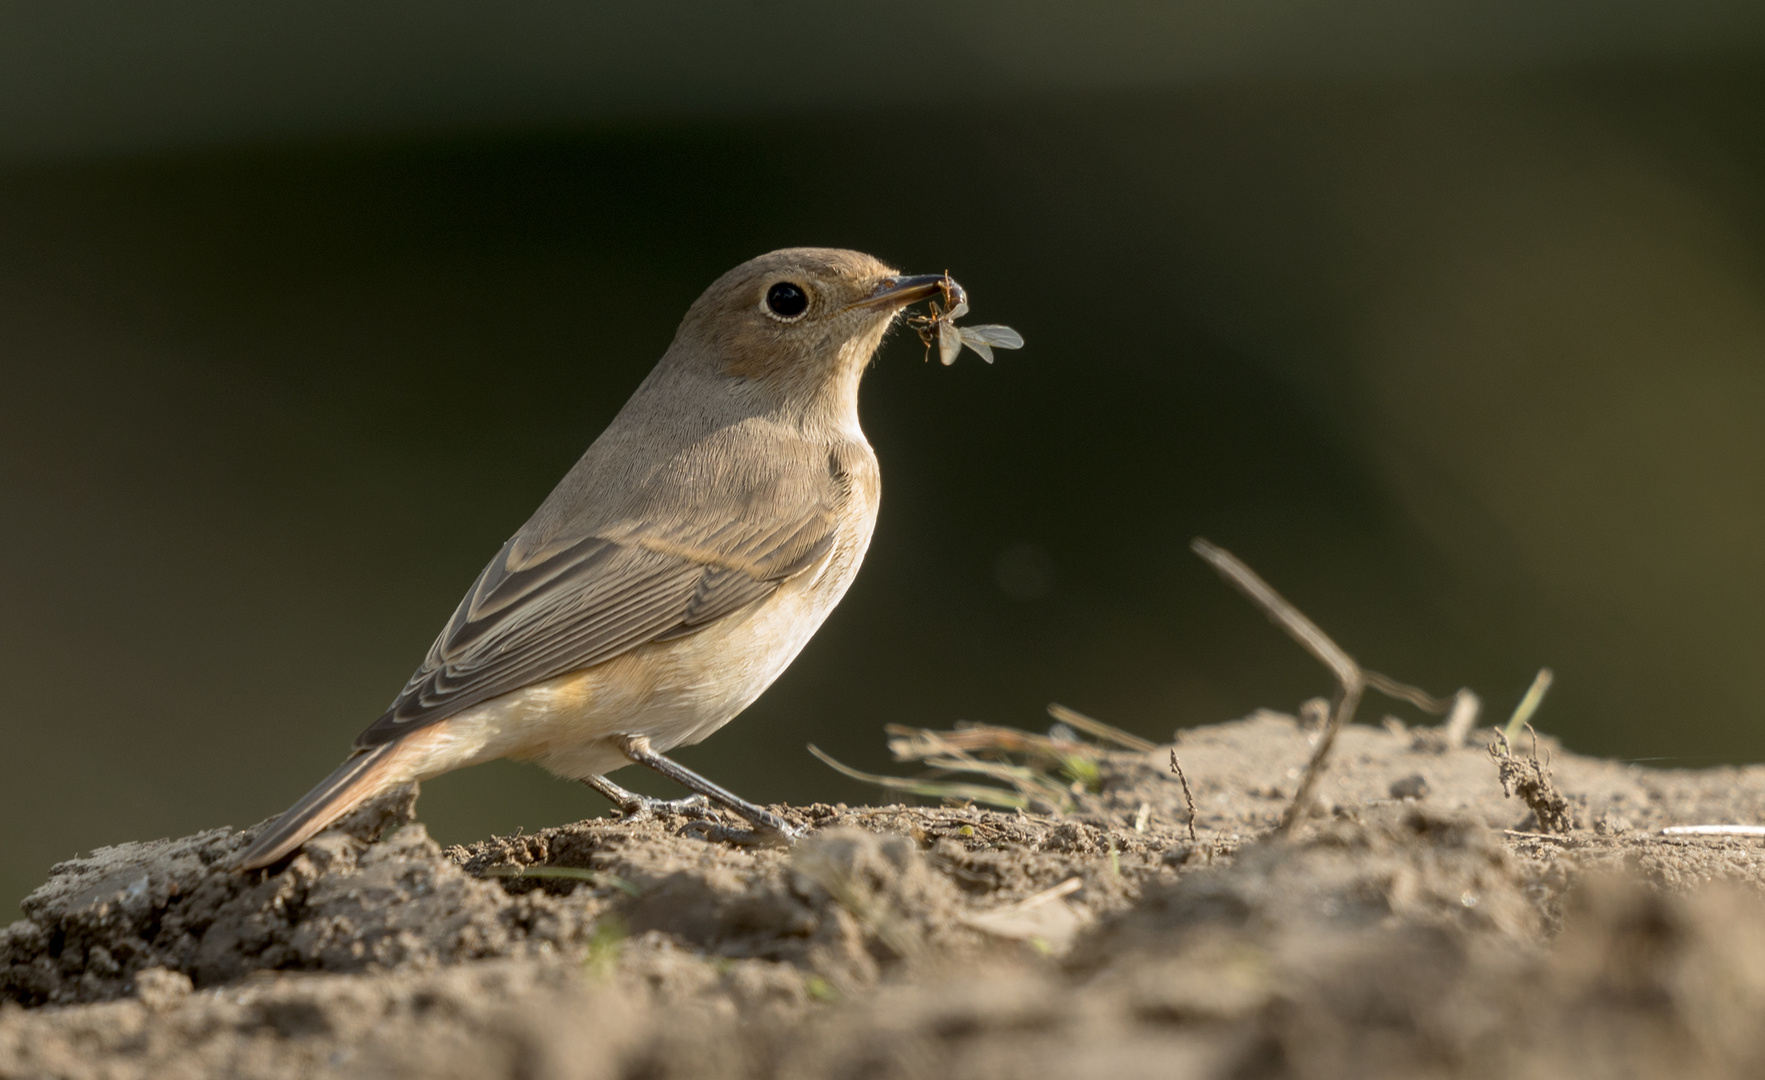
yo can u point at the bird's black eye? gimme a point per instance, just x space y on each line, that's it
786 300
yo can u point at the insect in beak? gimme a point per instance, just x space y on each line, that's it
940 327
899 292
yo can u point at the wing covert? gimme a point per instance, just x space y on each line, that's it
537 614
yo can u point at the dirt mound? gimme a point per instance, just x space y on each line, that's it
1407 931
343 904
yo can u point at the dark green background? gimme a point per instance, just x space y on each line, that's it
1455 330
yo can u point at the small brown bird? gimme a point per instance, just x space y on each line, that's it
676 570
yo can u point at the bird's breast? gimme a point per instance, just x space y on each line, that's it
678 691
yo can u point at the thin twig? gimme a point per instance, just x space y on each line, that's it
1714 830
1188 799
1280 612
1346 703
1421 699
1351 680
1556 837
1098 729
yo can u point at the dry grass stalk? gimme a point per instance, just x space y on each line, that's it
930 788
1188 797
1534 697
1097 729
1040 772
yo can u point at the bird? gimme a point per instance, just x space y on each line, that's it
678 567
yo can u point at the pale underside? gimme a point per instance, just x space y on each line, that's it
636 627
675 692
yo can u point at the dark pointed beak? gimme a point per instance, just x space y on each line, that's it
897 292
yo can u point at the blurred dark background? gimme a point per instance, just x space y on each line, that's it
1449 318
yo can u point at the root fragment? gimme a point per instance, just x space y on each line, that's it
1529 779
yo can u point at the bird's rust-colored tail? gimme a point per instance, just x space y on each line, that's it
359 778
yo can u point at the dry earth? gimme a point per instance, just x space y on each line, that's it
1415 927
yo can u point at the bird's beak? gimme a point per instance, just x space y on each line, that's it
895 293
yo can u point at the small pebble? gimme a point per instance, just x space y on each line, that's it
159 988
1413 786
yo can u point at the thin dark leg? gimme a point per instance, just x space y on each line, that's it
634 807
637 748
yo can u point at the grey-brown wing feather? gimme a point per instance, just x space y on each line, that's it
535 616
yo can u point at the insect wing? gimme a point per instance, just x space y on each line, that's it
949 341
983 339
977 343
999 337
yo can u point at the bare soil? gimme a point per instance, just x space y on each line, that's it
1417 926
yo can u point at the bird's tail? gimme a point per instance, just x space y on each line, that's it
359 778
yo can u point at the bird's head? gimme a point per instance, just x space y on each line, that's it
799 324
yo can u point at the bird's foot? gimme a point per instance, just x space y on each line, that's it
769 828
645 807
634 808
785 835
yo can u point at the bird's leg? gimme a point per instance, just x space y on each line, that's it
772 827
634 807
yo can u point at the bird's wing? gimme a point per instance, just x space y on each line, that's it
537 614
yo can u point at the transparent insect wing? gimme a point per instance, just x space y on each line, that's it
958 311
949 341
977 343
994 334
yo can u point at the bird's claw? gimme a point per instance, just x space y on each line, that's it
764 836
645 807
